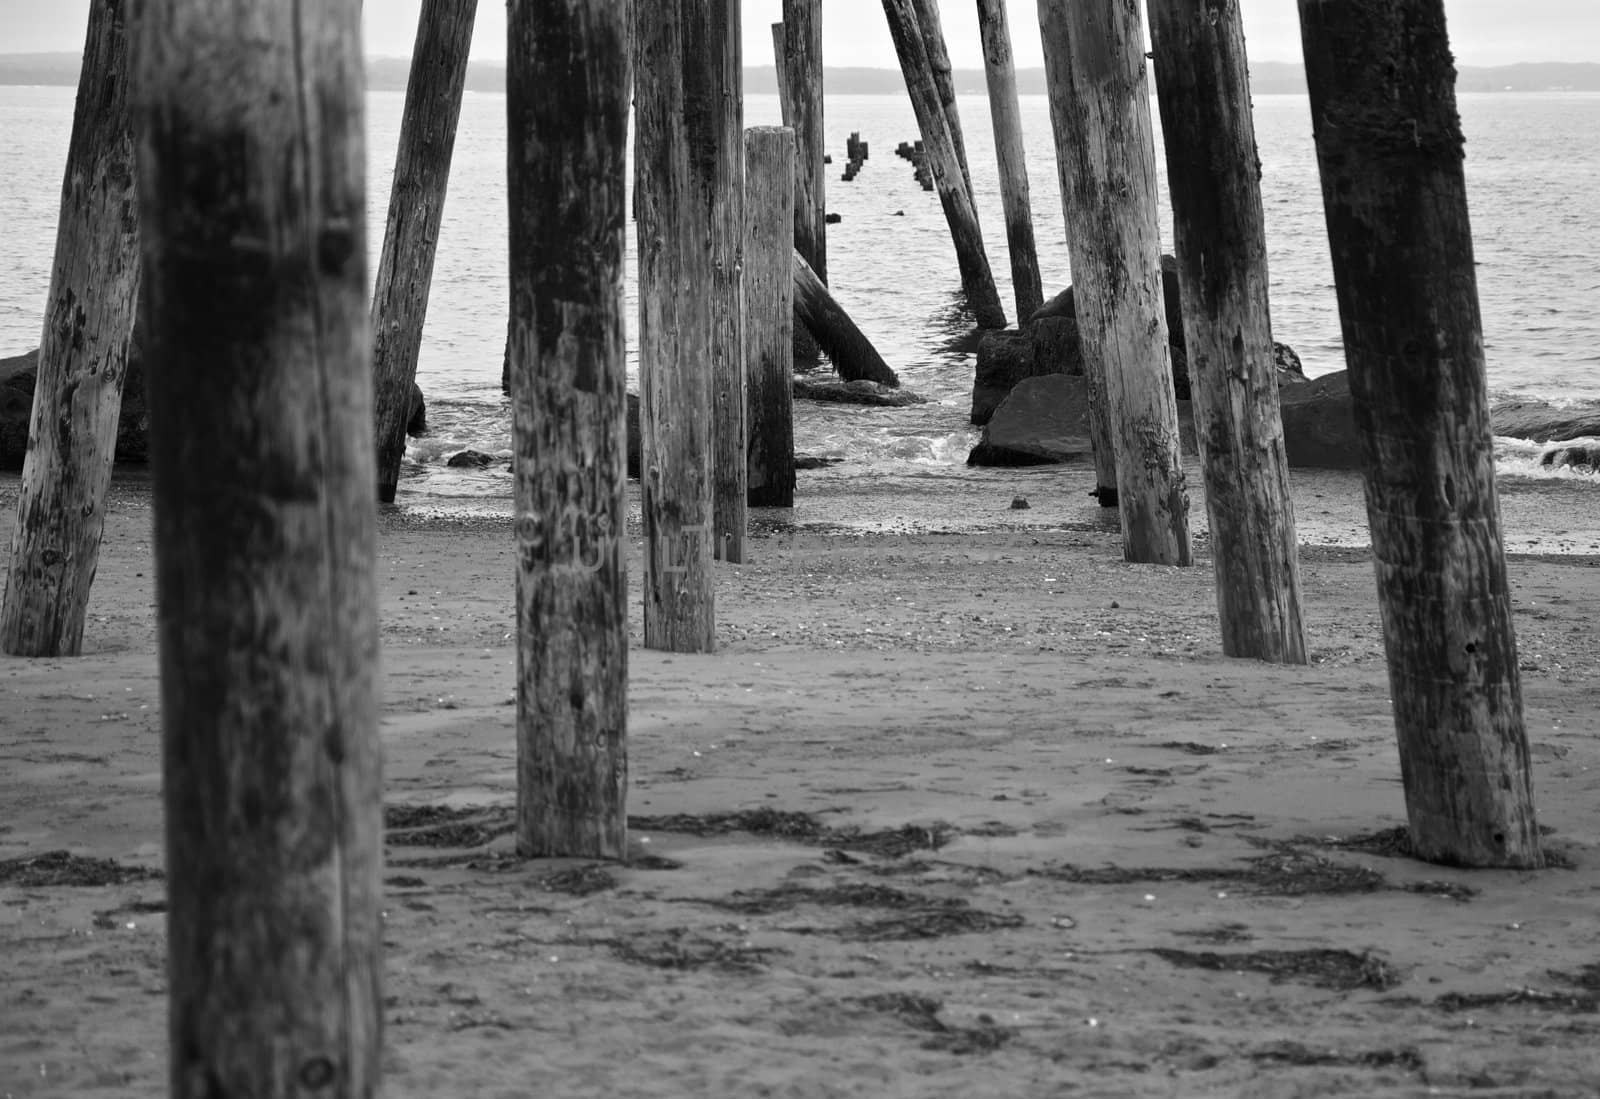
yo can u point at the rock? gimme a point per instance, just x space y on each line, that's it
1042 421
1020 503
860 392
1539 422
417 421
469 459
1008 360
1585 454
1319 426
833 219
18 374
1290 370
1048 345
1046 420
1063 305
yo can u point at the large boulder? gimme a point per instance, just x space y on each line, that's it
1045 420
1042 421
1319 424
1045 345
17 374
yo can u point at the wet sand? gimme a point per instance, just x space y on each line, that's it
963 805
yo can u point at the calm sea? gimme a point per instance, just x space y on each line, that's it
1533 173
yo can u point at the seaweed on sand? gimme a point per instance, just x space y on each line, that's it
63 868
681 949
802 828
1341 970
922 1013
917 915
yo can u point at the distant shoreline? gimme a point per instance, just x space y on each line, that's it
1267 77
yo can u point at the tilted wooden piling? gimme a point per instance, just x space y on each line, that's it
1107 153
769 313
416 207
785 111
568 87
853 355
252 178
83 360
1011 155
976 277
1389 146
1202 77
944 80
717 76
802 72
673 193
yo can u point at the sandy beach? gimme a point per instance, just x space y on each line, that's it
963 806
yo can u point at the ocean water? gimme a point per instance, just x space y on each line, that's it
1533 172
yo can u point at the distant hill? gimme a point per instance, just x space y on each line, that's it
1266 77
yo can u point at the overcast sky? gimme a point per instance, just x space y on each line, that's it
1482 32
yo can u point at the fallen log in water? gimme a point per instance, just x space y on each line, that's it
852 353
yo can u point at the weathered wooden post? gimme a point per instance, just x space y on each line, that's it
801 70
416 206
1107 152
944 80
714 80
785 111
252 176
1063 100
1011 156
1389 145
976 277
83 358
769 312
673 188
568 87
1213 173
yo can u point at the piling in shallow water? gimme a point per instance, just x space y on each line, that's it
769 314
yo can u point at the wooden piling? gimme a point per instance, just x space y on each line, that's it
769 313
976 277
1107 155
944 80
716 76
802 71
568 86
83 359
853 355
673 191
785 111
1011 155
1389 146
1213 173
416 207
252 177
